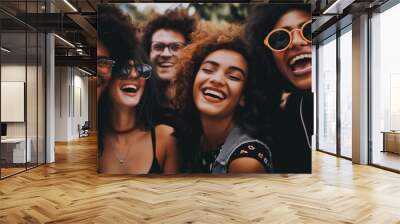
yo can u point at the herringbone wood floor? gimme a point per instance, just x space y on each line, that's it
70 191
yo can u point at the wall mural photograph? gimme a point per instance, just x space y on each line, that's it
204 88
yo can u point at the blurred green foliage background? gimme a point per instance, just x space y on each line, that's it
221 12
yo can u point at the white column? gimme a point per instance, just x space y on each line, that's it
50 93
50 100
360 90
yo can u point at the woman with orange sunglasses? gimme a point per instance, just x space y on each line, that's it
280 38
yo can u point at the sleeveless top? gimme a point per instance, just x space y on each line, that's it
250 149
238 144
155 167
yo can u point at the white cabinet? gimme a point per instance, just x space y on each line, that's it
16 147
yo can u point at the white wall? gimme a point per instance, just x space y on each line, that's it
71 102
61 103
16 72
33 126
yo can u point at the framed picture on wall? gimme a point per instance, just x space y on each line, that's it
12 101
204 88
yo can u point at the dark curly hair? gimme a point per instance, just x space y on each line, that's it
207 40
177 20
262 20
117 34
271 82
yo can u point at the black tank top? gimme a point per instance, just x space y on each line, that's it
155 167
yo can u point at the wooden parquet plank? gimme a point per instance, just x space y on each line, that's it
70 191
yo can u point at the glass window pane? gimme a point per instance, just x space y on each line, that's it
41 98
31 97
314 90
346 94
327 96
23 86
385 89
14 153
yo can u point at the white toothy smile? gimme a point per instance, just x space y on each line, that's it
301 64
214 93
300 57
166 64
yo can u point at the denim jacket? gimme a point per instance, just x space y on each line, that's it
235 139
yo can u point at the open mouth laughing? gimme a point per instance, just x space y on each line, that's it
129 89
301 64
213 94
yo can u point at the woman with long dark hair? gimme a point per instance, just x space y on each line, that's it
214 91
280 40
128 140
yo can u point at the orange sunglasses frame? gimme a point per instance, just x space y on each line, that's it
266 40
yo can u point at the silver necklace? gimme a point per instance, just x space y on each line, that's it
121 160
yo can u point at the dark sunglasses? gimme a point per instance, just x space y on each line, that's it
105 65
280 39
144 71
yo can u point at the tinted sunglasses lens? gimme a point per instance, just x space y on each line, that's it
120 72
144 70
307 31
279 40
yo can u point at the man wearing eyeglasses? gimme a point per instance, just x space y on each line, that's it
163 39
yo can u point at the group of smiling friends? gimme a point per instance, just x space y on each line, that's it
180 95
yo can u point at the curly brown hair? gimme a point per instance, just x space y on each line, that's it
207 39
177 20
